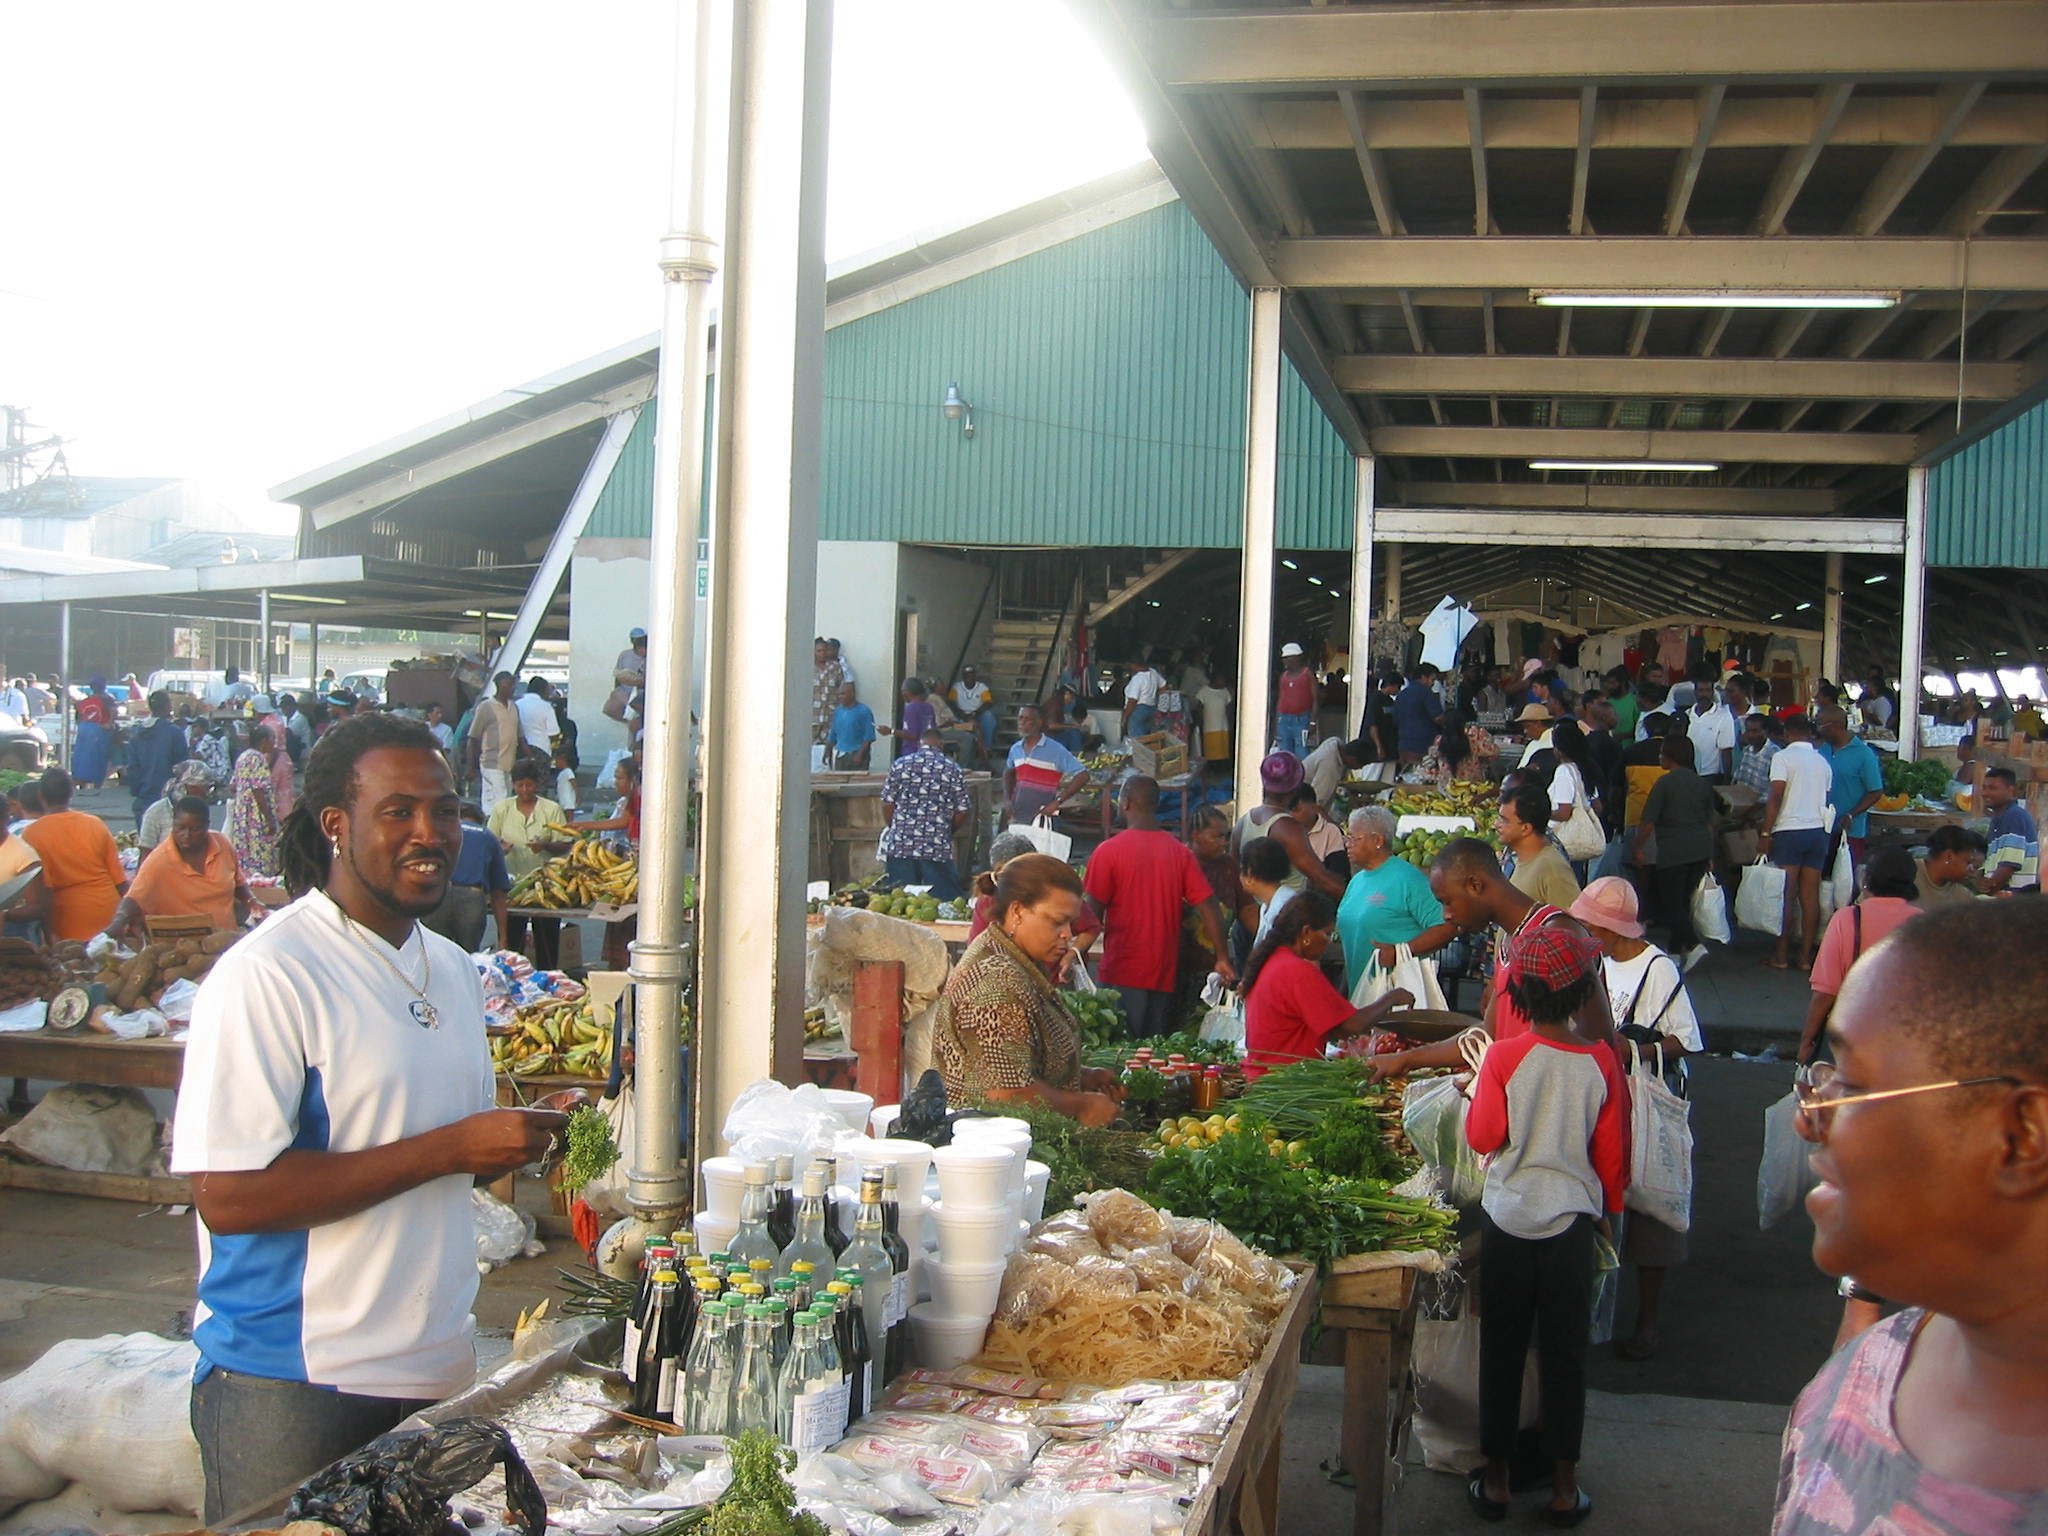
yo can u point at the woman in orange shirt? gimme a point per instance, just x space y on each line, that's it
81 865
193 872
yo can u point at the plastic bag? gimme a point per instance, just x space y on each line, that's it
1433 1115
1040 835
1606 1290
1838 883
768 1121
399 1484
1660 1145
1710 911
176 1003
606 1194
24 1016
502 1233
1417 975
1760 898
1225 1023
109 1414
1786 1172
89 1130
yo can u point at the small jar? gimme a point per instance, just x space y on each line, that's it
1208 1089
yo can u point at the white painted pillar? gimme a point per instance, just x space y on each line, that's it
1260 534
1831 620
313 658
764 535
263 638
1362 519
1913 613
1393 581
64 710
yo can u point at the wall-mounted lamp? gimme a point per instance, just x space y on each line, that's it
955 408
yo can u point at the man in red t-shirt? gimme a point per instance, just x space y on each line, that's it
1139 882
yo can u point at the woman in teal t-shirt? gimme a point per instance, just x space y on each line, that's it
1388 901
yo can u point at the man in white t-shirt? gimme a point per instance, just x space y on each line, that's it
1795 833
537 723
1712 732
334 1112
1141 699
975 703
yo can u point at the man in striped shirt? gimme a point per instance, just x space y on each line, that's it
1040 771
2014 863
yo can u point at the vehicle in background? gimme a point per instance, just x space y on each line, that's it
367 684
23 746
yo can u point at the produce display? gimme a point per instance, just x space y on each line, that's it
24 977
552 1038
817 1026
1117 1292
873 896
1082 1158
1926 779
139 981
589 872
1421 848
1100 1014
12 779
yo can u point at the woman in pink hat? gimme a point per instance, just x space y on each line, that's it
1647 997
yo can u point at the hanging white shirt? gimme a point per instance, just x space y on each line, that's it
1445 630
304 1036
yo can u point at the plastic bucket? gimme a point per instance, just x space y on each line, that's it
974 1178
967 1290
852 1108
975 1237
944 1340
725 1179
1036 1177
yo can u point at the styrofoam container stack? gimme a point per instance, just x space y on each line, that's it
1036 1177
944 1340
968 1127
998 1132
966 1290
882 1122
852 1108
975 1236
724 1181
713 1234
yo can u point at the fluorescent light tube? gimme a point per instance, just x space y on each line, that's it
1714 298
1674 466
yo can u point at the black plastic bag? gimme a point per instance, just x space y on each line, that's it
400 1484
924 1112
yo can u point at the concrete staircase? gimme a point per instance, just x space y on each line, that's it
1024 640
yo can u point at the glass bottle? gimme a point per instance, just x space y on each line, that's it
782 1204
752 1241
863 1363
810 1246
707 1382
835 1219
783 1292
791 1380
852 1358
831 1376
762 1271
654 1380
753 1389
867 1257
779 1334
804 1273
897 1356
651 1264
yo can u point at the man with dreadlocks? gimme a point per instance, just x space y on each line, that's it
335 1109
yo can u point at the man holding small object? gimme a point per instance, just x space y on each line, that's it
335 1109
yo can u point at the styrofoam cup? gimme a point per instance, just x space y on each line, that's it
975 1237
1036 1177
724 1181
883 1121
910 1159
967 1290
852 1108
974 1178
975 1126
943 1339
1017 1142
714 1235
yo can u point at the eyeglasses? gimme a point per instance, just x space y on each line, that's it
1816 1087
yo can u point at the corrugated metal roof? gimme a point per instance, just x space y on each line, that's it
1987 505
1106 376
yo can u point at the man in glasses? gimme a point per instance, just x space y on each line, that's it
1931 1146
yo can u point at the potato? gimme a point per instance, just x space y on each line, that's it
217 942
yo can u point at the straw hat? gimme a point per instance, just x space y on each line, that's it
1533 714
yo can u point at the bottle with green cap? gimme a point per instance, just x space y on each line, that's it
707 1380
753 1391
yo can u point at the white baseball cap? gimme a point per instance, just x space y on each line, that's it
1289 649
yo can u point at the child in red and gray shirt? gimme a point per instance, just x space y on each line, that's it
1553 1111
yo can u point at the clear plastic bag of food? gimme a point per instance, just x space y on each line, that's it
945 1471
1078 1421
1033 1285
915 1397
1157 1268
1006 1447
896 1424
1065 1239
989 1408
1191 1407
1094 1512
1006 1383
1119 1219
1104 1276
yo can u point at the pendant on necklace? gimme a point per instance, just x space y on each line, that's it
426 1015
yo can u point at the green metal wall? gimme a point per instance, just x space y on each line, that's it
1987 504
1107 380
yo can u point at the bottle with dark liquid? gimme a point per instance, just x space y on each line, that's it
656 1257
782 1206
897 1355
654 1381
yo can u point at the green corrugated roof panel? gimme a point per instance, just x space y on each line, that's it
625 507
1107 380
1987 505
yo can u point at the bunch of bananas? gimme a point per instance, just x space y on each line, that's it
552 1039
817 1026
1456 799
587 873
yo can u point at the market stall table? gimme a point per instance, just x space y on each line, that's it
1369 1302
107 1062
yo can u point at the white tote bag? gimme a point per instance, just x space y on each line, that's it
1660 1142
1710 911
1416 973
1760 898
1838 884
1581 835
1040 835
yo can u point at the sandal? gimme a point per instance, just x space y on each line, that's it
1567 1518
1495 1510
1638 1347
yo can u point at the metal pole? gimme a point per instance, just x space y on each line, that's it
1394 556
764 559
1362 518
313 657
64 685
1831 620
656 1183
1913 613
1260 533
263 641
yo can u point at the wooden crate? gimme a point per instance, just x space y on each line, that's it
1242 1496
1159 756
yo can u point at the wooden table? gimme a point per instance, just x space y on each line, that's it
1242 1496
1369 1301
107 1062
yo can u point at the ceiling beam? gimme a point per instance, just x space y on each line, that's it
1596 263
1582 156
2001 177
1371 165
1475 130
1686 174
1435 44
1797 164
1905 166
1741 378
1792 121
1610 443
1625 530
1620 498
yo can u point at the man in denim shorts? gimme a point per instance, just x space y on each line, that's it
1796 838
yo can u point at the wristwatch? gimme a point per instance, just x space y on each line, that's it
1849 1290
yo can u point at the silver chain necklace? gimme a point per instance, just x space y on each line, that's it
424 1013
